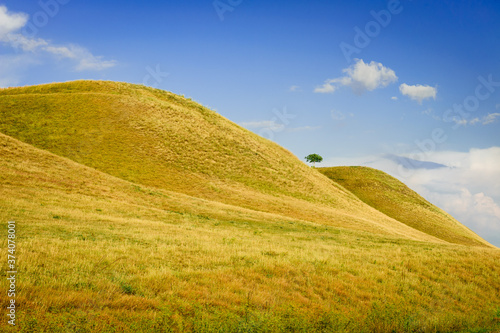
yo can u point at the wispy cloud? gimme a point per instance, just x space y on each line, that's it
339 115
12 23
295 88
430 112
485 120
394 98
85 59
418 92
360 77
490 118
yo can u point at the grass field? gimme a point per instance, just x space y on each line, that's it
158 139
112 251
395 199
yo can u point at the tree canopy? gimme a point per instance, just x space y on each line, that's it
313 158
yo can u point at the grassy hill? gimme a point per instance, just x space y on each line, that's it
111 248
159 139
97 253
393 198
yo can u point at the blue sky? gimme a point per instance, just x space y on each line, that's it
353 81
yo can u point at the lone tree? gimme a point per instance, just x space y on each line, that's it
313 158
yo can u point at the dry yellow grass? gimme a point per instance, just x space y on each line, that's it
395 199
159 139
99 253
124 251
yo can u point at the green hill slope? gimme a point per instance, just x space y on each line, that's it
96 253
393 198
158 139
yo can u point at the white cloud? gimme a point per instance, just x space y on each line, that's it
93 63
86 60
430 112
418 92
394 98
326 88
11 23
294 88
361 77
477 211
338 115
18 41
474 121
468 189
485 120
62 51
490 118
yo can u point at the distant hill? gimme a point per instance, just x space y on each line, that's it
393 198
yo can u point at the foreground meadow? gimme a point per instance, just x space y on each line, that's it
135 259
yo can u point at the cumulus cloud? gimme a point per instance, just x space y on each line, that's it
418 92
12 23
327 87
360 77
467 188
477 211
